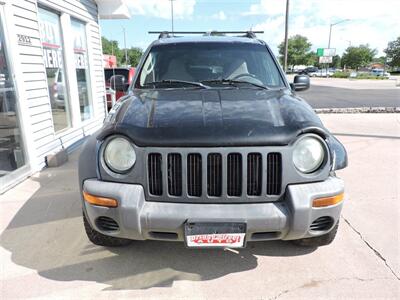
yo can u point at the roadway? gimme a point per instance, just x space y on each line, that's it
344 93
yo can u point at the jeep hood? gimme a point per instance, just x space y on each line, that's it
214 117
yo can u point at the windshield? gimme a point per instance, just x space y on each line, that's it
209 63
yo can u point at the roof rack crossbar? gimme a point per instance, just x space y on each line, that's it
168 34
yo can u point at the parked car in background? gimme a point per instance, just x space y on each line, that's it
127 72
308 70
380 73
321 73
57 90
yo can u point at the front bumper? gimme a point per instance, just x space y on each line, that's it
139 219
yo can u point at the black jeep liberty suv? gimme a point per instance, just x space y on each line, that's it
211 146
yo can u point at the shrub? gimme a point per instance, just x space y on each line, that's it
369 76
341 75
359 76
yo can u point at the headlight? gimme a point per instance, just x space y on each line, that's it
308 154
119 155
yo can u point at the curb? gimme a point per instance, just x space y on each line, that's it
357 110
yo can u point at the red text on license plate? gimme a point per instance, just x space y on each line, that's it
216 240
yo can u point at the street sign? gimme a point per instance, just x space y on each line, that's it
329 52
326 51
325 59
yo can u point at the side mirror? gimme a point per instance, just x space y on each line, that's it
301 83
118 83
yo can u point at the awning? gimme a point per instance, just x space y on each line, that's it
113 9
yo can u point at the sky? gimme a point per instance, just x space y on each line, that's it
373 22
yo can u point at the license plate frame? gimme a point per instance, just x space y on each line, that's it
215 234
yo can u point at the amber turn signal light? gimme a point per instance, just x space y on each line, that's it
327 201
100 201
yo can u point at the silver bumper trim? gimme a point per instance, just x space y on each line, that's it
287 219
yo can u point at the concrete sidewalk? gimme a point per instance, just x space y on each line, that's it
44 252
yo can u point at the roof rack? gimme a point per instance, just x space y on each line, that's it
167 34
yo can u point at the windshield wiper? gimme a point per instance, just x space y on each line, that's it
235 82
176 82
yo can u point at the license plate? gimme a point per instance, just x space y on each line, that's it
215 235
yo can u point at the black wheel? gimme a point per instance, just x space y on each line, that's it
318 241
100 239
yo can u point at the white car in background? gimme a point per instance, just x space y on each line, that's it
380 73
320 73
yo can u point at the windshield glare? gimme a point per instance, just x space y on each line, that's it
199 62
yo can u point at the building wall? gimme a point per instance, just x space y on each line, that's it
32 84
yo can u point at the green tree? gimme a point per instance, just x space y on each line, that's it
356 57
134 55
313 59
299 51
109 47
336 60
112 47
393 53
380 60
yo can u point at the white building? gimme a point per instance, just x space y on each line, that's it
52 91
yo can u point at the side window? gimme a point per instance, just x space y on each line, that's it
147 73
270 71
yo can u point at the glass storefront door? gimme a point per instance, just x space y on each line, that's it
12 155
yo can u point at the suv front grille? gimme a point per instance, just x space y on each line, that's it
216 175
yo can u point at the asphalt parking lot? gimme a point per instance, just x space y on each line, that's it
45 254
345 93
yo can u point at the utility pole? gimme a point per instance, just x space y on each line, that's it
286 36
330 30
172 16
126 50
329 41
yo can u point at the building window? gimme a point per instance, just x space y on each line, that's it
11 145
82 69
50 35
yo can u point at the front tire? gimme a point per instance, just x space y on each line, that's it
318 241
100 239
